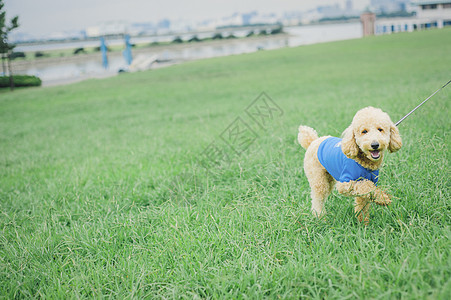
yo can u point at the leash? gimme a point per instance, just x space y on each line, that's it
402 119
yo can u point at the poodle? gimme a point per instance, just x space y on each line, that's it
351 163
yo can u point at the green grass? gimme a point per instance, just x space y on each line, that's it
102 193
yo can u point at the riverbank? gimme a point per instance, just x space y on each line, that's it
69 68
139 49
166 54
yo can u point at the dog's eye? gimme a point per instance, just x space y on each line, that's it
380 129
365 131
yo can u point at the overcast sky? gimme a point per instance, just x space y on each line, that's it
43 17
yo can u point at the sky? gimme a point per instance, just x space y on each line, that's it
45 17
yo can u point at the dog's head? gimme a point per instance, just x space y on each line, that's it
369 135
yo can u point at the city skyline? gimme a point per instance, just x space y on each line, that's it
45 18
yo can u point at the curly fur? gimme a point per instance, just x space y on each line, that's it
369 125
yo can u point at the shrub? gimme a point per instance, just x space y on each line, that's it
194 39
177 40
97 49
39 54
217 36
277 30
79 50
20 81
15 55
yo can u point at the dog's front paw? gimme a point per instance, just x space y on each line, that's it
382 198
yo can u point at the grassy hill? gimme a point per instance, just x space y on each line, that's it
160 184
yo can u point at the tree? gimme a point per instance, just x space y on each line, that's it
6 48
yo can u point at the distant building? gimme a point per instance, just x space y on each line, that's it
164 24
434 13
368 20
108 29
247 17
330 11
429 14
388 6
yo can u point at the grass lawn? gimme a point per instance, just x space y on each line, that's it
104 190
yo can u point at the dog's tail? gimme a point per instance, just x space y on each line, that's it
306 136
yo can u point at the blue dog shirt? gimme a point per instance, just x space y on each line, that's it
342 168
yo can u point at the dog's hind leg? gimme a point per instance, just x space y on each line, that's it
321 182
321 185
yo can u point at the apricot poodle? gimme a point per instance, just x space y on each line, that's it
351 163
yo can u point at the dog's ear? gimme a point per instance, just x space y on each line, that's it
395 139
348 144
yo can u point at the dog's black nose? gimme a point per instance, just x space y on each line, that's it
375 145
